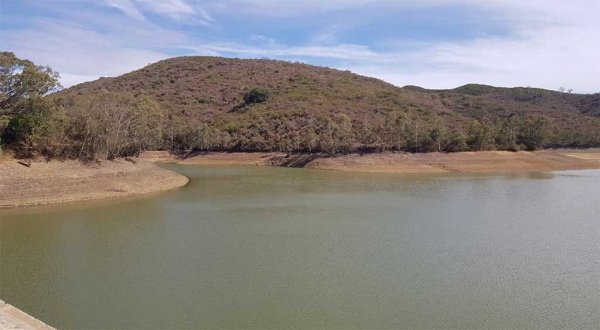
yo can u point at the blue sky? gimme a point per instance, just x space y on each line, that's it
431 43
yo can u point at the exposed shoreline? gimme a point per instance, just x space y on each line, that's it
55 182
480 162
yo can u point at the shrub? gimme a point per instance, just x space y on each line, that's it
257 95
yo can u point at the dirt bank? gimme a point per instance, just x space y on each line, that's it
405 163
232 158
464 162
58 182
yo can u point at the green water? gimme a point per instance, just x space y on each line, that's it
292 248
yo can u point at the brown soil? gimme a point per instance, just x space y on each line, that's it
158 157
590 154
231 159
404 163
58 182
465 162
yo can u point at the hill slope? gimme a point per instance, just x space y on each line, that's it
262 105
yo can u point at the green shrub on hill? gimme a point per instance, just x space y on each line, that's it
257 95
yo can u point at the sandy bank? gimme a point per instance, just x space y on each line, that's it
58 182
464 162
405 163
13 318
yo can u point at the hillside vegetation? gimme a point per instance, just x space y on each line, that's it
209 103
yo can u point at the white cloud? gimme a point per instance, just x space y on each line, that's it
78 54
126 7
260 39
534 8
549 58
171 8
284 7
338 52
174 9
551 43
554 44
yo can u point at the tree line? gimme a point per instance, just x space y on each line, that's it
339 134
108 125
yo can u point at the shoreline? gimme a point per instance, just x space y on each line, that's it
57 182
480 162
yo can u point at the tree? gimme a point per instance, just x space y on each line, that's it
211 138
437 135
479 136
533 133
343 133
457 142
395 132
311 140
21 80
111 125
27 120
507 136
38 128
326 128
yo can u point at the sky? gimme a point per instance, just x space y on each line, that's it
429 43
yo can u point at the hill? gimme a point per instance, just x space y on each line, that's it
212 103
579 103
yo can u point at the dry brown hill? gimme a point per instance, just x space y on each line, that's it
262 105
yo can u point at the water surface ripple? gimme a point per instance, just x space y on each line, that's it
293 248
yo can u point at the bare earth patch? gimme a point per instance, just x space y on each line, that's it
591 154
406 163
158 157
464 162
231 159
66 181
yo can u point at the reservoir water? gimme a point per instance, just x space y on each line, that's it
292 248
